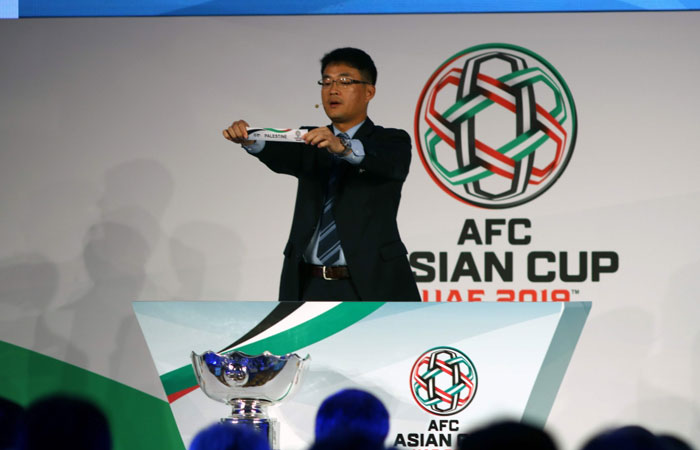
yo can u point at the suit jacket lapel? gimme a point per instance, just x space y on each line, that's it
365 129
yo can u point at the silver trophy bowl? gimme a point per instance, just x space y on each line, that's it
249 384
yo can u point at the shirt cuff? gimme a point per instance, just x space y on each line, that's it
357 154
255 147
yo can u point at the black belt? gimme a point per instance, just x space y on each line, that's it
328 272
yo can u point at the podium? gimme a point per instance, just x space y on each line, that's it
440 368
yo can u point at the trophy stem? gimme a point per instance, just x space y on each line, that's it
249 408
253 414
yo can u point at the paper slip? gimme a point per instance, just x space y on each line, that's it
275 134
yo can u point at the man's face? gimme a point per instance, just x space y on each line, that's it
346 106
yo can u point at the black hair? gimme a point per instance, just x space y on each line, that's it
353 57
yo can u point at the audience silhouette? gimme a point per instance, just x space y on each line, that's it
351 419
506 435
11 416
65 422
352 412
634 437
226 436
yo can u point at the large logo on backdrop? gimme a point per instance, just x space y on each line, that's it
443 381
495 126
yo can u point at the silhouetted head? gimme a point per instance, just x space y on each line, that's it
349 441
61 421
352 412
671 442
11 416
625 438
506 435
225 436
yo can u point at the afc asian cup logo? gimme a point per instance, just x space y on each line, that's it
495 126
443 381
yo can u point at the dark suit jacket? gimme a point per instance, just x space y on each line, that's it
365 212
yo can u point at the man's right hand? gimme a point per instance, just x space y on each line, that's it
237 133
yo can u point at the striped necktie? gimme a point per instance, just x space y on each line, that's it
328 241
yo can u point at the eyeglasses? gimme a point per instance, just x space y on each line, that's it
343 82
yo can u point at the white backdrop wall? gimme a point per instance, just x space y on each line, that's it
116 184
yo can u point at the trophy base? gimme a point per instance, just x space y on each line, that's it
253 415
266 427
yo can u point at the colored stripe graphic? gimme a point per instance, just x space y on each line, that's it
281 311
305 312
493 91
137 421
326 322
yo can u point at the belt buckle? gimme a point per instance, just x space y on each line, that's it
325 277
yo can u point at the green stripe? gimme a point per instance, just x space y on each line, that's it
516 142
432 373
178 379
476 109
455 389
507 77
449 175
531 148
137 420
287 341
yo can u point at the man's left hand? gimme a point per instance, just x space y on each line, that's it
323 137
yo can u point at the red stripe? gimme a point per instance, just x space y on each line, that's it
492 152
416 118
549 168
447 397
176 395
431 112
557 125
495 169
550 118
493 96
493 81
444 395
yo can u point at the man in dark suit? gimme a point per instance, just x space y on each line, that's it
344 243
